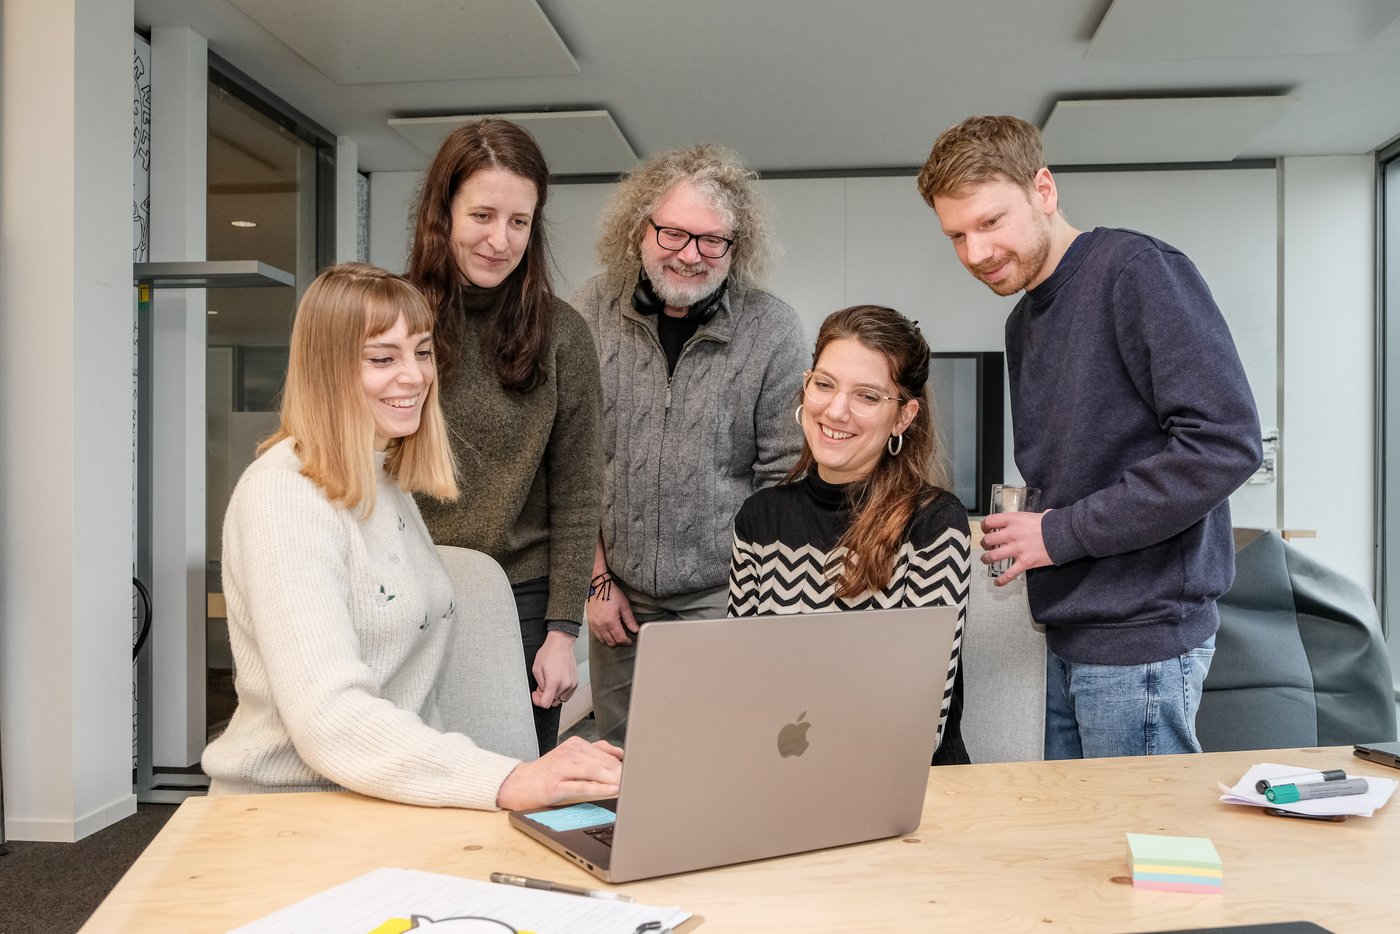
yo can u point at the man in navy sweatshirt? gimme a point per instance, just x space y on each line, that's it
1132 415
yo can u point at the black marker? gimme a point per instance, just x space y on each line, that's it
1301 778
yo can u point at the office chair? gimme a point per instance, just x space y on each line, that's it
1003 663
1299 660
484 694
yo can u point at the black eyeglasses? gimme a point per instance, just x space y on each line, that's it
673 239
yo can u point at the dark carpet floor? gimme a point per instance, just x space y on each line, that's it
54 887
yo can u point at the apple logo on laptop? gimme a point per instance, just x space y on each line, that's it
792 738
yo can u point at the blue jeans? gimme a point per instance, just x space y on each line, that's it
1093 711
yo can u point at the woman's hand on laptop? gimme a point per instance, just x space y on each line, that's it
575 769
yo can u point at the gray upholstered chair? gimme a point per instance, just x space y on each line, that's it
484 693
1299 659
1003 661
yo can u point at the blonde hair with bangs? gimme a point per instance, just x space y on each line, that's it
324 410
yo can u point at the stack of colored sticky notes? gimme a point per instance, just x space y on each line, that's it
1175 864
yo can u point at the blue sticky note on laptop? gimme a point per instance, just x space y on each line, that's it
574 817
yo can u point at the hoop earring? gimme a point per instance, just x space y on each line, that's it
894 448
798 415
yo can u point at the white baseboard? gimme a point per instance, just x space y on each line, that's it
60 831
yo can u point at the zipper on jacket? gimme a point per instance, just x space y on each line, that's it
661 451
660 470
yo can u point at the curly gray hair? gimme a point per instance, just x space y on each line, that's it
724 181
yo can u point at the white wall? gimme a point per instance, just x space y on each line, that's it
1329 350
65 418
390 204
347 202
1227 222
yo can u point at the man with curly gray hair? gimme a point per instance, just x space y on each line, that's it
701 371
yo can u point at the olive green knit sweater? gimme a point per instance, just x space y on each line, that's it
530 463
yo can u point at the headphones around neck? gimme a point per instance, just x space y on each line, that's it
646 301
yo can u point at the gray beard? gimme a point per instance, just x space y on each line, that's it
683 296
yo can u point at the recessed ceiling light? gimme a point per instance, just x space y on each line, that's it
244 223
212 311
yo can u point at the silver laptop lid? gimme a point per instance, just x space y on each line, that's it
757 737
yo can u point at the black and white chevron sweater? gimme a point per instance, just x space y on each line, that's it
784 537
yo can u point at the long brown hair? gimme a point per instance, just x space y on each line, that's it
883 502
324 410
518 330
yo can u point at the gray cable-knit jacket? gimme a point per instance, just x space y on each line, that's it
681 455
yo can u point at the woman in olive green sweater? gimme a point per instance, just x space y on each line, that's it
520 392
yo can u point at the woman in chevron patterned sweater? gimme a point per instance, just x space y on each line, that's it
861 521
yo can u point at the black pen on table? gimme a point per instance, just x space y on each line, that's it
505 878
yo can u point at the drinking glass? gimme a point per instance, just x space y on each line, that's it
1008 497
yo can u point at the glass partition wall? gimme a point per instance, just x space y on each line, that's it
269 199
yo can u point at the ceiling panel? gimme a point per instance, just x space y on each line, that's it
1183 129
416 40
580 142
868 86
1151 30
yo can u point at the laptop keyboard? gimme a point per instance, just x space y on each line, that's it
603 835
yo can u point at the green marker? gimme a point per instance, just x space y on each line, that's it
1287 794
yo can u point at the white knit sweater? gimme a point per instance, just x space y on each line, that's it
341 630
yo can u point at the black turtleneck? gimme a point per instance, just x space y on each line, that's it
674 332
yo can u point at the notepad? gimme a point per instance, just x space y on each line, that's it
1175 864
576 817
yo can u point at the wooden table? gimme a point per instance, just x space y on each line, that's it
1018 847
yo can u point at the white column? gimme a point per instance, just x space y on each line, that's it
1328 352
65 415
179 192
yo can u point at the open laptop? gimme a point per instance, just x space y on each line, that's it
763 736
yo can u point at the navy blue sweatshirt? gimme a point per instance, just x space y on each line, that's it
1133 415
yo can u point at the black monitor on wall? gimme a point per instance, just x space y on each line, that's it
969 406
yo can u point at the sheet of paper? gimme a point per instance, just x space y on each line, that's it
391 901
1365 805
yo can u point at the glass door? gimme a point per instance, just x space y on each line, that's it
266 203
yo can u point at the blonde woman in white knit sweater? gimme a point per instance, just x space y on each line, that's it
340 612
